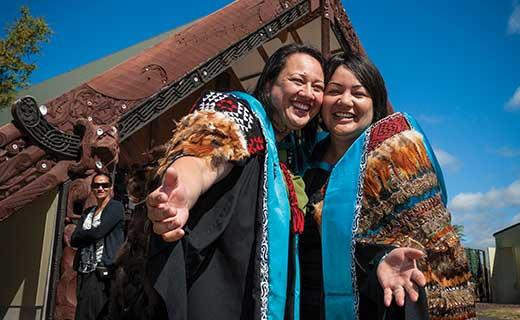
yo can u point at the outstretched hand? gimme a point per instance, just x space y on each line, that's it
168 207
398 275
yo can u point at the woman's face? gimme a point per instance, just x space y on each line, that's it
347 106
297 92
101 187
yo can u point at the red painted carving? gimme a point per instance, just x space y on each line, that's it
346 27
83 103
8 133
66 291
24 160
100 145
38 186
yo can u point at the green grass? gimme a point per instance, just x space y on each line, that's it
505 314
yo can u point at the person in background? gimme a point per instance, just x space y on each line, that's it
98 236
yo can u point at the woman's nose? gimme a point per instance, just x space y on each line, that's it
306 91
346 100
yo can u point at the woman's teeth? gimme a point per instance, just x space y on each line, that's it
301 106
343 115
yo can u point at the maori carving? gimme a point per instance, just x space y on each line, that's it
11 149
27 115
23 179
84 102
100 148
152 69
66 291
19 197
8 133
28 172
14 147
20 162
349 38
79 192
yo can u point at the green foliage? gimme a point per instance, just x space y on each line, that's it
459 230
23 39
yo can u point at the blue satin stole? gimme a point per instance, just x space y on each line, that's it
278 221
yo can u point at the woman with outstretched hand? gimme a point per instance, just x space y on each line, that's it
226 214
378 229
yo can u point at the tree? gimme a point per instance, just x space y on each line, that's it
23 39
459 230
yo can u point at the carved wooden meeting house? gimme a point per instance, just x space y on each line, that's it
108 114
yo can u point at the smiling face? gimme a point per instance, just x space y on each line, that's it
297 93
347 106
101 187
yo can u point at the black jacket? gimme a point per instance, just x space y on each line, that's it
111 229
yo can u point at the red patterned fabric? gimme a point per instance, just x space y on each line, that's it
297 217
385 129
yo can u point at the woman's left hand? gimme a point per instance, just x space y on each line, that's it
398 275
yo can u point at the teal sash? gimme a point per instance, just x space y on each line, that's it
275 226
341 207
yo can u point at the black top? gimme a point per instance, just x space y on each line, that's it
111 229
210 273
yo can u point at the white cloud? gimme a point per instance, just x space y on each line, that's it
478 228
508 152
513 25
484 213
494 198
446 160
514 103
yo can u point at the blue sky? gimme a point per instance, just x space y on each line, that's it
454 65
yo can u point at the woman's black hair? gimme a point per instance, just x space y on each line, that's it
103 174
272 69
367 74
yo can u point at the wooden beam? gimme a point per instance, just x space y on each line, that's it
263 53
296 37
325 28
234 80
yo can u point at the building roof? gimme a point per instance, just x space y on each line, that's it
506 229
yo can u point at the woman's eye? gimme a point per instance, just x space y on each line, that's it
297 80
332 92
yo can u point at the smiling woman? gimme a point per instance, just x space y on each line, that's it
223 210
297 93
98 236
378 209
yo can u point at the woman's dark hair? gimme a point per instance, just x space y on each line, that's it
272 69
103 174
369 76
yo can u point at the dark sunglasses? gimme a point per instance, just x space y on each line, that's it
104 185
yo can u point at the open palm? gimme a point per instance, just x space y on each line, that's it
398 275
168 207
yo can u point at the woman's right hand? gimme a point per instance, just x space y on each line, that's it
168 207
